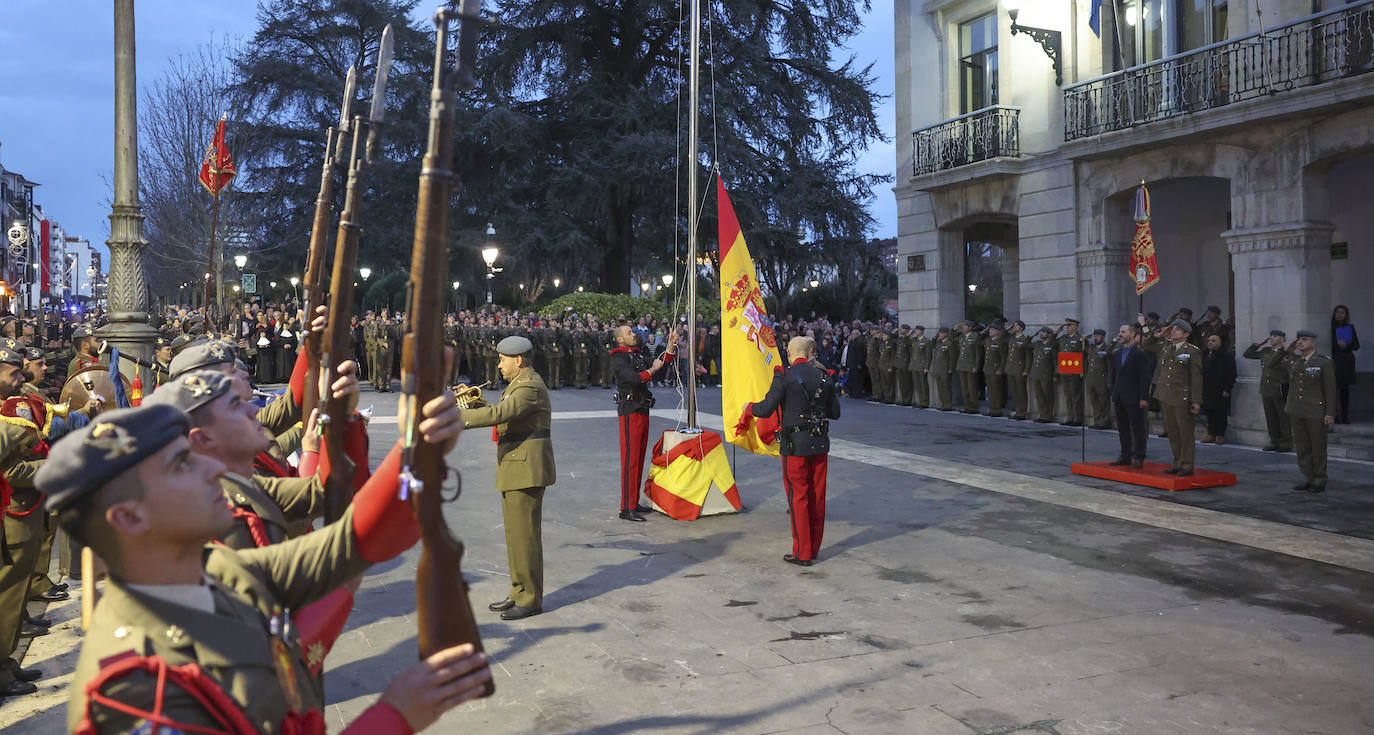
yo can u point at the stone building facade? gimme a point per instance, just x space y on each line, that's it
1254 134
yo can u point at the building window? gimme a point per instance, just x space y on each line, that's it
1149 30
978 63
1201 23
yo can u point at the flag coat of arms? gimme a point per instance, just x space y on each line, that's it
748 348
217 170
1144 268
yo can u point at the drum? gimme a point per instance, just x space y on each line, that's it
93 381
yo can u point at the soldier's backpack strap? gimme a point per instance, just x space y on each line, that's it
190 678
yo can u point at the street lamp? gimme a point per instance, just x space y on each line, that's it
1050 40
556 282
815 283
489 254
973 288
240 261
294 283
644 288
365 272
667 280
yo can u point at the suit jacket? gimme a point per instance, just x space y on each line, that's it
524 446
1131 381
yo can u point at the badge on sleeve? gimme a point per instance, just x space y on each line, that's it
281 657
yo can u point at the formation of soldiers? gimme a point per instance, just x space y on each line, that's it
570 352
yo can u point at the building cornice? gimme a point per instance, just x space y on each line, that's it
1286 236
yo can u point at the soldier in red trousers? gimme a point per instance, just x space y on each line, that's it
805 391
633 368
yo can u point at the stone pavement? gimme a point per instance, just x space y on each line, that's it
968 584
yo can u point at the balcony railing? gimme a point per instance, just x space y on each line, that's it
1313 50
976 136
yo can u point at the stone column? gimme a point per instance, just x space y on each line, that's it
1106 295
1283 280
128 289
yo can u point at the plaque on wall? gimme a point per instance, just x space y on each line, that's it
916 263
1340 250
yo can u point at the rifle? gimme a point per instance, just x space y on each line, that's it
444 611
338 333
313 283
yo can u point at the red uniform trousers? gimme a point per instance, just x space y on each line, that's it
804 480
634 442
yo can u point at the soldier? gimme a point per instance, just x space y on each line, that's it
1016 369
1096 365
554 353
1210 324
370 345
453 337
609 342
969 364
524 468
1273 389
1044 360
1071 384
86 345
805 393
901 362
582 355
1313 400
994 367
162 361
195 636
920 367
941 367
492 356
1178 388
385 336
634 368
880 364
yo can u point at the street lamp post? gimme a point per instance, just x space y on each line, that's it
294 283
489 254
455 296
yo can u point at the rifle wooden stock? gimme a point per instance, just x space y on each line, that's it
338 338
314 278
444 611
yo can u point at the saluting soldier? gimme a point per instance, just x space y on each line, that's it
386 350
994 367
1313 400
193 635
901 362
969 363
1016 369
1071 384
1178 388
942 359
370 345
880 365
524 468
1044 362
1097 358
1273 389
920 367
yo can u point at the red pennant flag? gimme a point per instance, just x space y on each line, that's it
1144 269
217 170
1071 363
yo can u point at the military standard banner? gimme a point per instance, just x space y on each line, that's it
1144 268
748 349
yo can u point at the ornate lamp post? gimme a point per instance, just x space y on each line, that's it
1050 40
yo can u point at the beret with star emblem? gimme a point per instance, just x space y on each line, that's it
9 356
192 390
33 353
200 355
82 331
89 457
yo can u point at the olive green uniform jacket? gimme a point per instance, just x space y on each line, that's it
524 448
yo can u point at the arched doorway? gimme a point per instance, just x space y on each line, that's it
991 283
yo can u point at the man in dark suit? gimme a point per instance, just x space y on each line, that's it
806 394
1130 370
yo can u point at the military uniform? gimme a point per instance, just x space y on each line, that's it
385 336
901 363
1178 387
994 367
553 355
1096 363
1312 397
1071 384
582 356
370 349
494 335
1044 361
880 366
524 468
1016 369
942 359
632 367
920 370
25 528
1273 390
453 337
603 356
968 365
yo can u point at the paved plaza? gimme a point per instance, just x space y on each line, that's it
967 584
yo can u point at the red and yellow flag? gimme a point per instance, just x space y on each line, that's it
217 170
1144 269
748 349
1071 363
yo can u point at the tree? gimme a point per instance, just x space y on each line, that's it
575 141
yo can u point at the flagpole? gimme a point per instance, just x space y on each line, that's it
210 266
689 368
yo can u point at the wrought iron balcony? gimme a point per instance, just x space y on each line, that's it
1313 50
976 136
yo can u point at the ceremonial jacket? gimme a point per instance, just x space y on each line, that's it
920 354
1272 376
524 444
630 371
942 356
1311 385
995 355
278 503
970 352
1095 362
901 352
1018 355
1178 379
1044 358
806 394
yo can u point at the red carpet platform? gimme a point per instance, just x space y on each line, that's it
1152 475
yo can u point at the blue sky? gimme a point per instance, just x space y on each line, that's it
57 93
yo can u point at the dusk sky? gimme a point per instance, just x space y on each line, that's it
57 93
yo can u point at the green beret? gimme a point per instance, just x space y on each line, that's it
89 457
33 353
1301 333
192 390
82 331
514 346
11 357
199 355
1182 324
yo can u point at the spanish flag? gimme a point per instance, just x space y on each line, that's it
748 349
